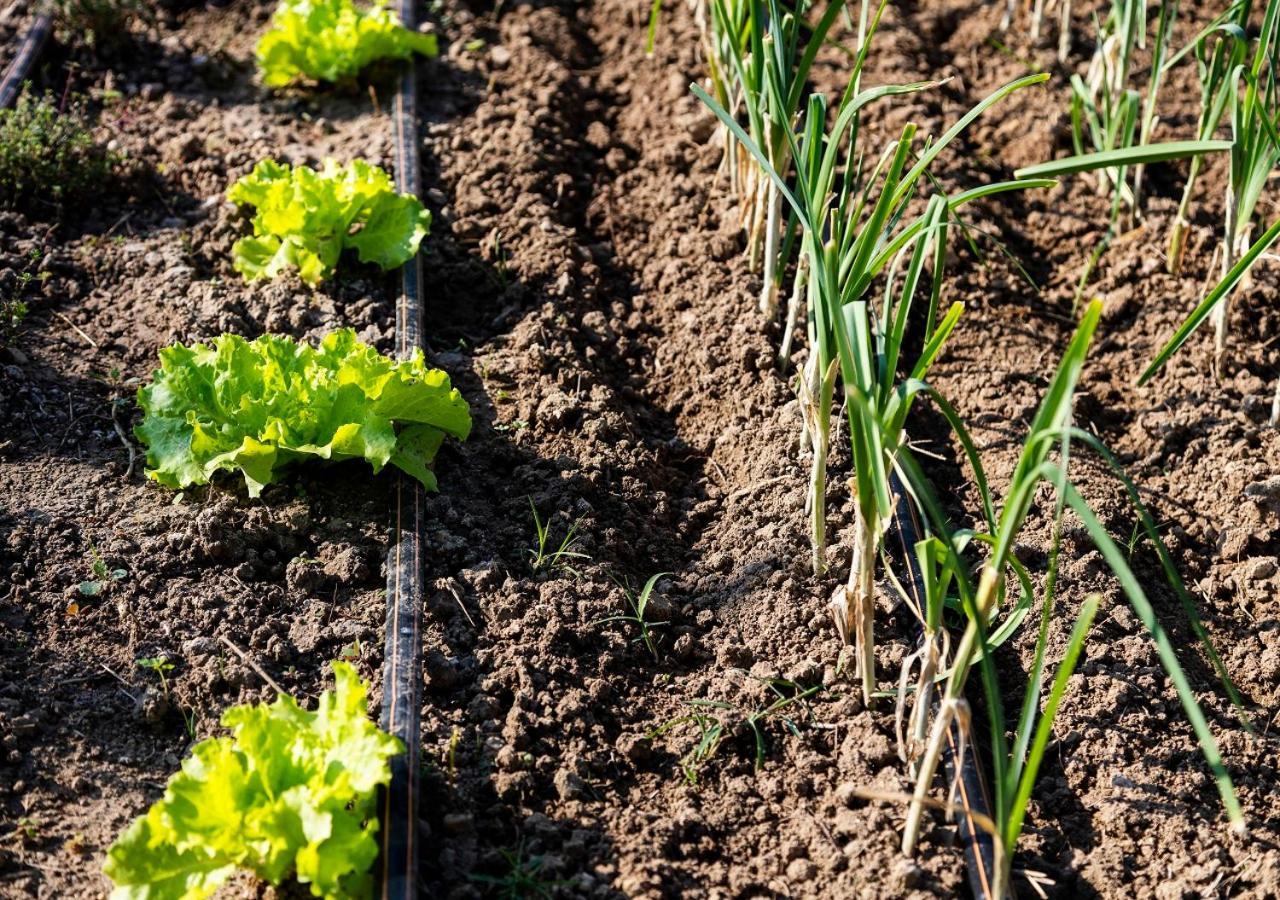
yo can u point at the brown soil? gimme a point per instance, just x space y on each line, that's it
588 295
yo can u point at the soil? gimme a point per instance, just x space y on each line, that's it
589 296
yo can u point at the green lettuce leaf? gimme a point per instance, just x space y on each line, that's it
291 792
304 219
256 406
333 40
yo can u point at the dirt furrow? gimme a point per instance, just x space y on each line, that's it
608 333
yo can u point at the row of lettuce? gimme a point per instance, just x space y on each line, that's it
288 793
855 239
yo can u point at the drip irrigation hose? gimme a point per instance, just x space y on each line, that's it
18 70
401 670
971 785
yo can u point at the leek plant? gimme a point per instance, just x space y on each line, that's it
1107 115
1254 102
1211 302
1219 50
990 621
1119 160
1037 23
853 227
1104 109
759 55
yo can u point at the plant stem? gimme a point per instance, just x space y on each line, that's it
862 587
793 310
948 710
1220 312
821 437
1064 31
769 289
1178 234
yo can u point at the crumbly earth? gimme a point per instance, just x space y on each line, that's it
587 292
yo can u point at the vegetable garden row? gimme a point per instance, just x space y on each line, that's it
830 461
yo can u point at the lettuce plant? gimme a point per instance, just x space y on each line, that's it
256 406
332 40
304 219
289 792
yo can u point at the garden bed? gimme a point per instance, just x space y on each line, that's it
586 291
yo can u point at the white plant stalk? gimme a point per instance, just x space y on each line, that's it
931 658
853 605
814 395
1064 31
952 710
793 309
951 704
1234 245
769 288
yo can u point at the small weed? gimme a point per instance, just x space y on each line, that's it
102 576
160 665
190 718
639 605
48 155
523 879
1137 535
717 720
12 313
543 558
451 754
515 427
27 829
13 298
497 254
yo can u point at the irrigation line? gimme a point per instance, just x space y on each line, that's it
401 669
971 786
18 70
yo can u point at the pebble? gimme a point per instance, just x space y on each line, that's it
801 870
1260 569
634 747
569 786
